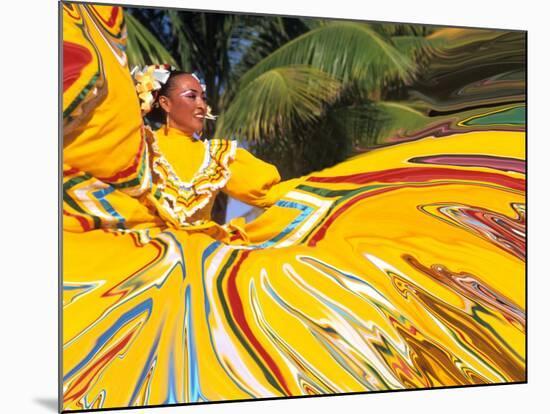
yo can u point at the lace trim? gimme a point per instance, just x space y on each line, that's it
207 189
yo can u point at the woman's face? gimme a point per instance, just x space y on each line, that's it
185 105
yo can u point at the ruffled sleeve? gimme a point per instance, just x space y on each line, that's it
98 137
256 182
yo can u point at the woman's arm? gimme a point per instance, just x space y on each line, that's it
256 182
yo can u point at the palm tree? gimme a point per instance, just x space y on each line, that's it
311 99
346 86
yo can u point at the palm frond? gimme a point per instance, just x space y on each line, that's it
263 36
357 123
390 118
182 46
332 139
417 46
325 142
278 99
143 47
348 51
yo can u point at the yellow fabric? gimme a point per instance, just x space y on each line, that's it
106 173
110 138
401 268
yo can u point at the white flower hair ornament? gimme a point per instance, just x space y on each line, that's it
148 80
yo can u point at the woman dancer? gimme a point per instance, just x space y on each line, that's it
193 170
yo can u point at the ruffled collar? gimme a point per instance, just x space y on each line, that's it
180 200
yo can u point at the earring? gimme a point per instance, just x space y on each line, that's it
166 127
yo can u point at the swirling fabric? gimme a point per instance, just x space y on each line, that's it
400 268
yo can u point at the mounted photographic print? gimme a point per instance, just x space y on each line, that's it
259 207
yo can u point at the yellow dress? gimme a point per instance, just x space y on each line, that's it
189 173
400 268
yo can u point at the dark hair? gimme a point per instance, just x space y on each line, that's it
157 116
